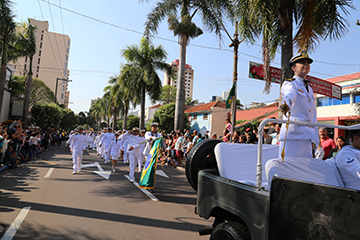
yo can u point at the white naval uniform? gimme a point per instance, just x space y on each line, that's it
102 147
78 144
124 144
108 137
302 108
142 147
348 162
97 144
150 137
134 154
115 149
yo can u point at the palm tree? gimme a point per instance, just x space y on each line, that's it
143 62
314 20
28 46
186 30
7 31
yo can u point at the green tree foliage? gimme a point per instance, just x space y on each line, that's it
45 115
68 119
132 121
168 94
82 118
191 102
40 92
165 117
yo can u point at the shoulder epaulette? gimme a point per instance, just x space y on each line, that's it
289 79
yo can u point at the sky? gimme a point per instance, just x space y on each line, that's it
96 45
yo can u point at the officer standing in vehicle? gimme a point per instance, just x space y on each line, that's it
298 101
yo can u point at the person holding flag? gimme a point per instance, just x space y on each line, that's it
152 151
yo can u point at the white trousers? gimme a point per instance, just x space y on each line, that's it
140 161
107 155
296 148
126 157
77 155
102 150
132 159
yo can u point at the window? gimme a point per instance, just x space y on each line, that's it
62 96
65 65
328 101
66 57
25 59
67 50
356 99
68 42
39 61
42 37
194 117
41 45
63 88
37 75
39 53
65 73
205 116
37 69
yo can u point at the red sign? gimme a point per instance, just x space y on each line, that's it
318 85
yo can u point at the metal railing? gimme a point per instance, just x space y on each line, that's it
309 124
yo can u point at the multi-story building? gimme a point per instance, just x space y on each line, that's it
50 63
189 78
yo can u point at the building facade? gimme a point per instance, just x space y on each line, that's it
208 117
189 78
50 63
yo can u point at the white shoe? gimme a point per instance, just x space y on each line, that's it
113 169
77 171
74 172
132 180
139 170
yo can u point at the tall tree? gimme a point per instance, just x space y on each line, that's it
168 94
314 20
28 46
185 10
7 31
143 62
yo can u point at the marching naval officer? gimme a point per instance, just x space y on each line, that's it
298 101
108 137
134 144
77 147
150 137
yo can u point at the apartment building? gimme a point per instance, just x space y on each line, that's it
189 78
50 63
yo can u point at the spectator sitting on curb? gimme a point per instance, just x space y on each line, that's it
10 157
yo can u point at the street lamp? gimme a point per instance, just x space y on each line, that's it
56 86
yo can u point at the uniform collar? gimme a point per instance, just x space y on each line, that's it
299 79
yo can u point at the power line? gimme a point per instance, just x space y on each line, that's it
52 23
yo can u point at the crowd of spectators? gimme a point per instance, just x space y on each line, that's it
21 145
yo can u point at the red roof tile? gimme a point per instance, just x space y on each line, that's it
206 106
253 113
343 78
156 106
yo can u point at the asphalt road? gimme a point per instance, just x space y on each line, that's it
54 204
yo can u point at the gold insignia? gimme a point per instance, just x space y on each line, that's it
301 90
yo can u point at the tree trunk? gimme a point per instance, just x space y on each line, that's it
114 118
286 47
180 91
126 110
27 94
142 114
108 121
3 72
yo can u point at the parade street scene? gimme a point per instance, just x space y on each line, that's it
180 119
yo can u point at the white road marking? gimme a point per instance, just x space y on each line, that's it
104 174
99 167
147 193
49 172
89 165
161 173
14 227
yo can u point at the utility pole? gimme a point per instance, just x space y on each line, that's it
56 86
235 43
357 22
